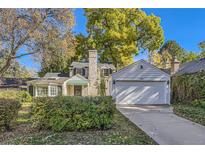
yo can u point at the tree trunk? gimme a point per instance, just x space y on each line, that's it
5 67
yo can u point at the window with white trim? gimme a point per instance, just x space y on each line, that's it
42 91
77 71
53 90
106 72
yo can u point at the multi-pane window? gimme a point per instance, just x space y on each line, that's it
53 90
77 71
80 71
42 91
106 72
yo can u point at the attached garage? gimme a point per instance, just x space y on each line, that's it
141 83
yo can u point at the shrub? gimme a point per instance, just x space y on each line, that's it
73 113
22 96
8 113
9 94
102 87
199 103
187 88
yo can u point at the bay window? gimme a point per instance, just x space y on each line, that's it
53 90
42 91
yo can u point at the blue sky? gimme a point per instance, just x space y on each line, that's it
186 26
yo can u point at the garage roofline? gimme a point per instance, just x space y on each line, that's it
146 63
142 80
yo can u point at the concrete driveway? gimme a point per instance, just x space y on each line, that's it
161 124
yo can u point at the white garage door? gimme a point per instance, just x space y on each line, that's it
140 92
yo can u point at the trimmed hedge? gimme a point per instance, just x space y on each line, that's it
8 113
21 96
73 113
187 88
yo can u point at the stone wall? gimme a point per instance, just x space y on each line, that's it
93 77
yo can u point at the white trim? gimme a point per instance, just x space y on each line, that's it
36 93
37 88
140 80
169 92
146 63
54 84
165 89
78 75
55 89
27 87
49 91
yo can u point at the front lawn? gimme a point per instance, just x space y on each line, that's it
123 132
193 113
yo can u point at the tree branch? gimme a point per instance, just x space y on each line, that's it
25 54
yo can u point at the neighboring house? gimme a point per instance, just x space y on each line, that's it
191 67
14 83
141 83
188 81
83 79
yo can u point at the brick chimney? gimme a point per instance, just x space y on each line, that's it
175 66
92 76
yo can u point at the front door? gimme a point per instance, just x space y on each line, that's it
77 90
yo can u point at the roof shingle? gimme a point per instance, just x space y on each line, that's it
45 81
14 82
86 64
194 66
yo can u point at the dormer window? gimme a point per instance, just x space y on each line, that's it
77 71
80 71
106 72
83 71
110 71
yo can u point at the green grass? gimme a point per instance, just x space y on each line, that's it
193 113
24 115
122 132
23 120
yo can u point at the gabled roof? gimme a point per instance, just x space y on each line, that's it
148 72
86 64
55 75
74 80
77 80
166 70
194 66
142 60
46 81
51 75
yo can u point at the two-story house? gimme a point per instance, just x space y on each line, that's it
83 79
